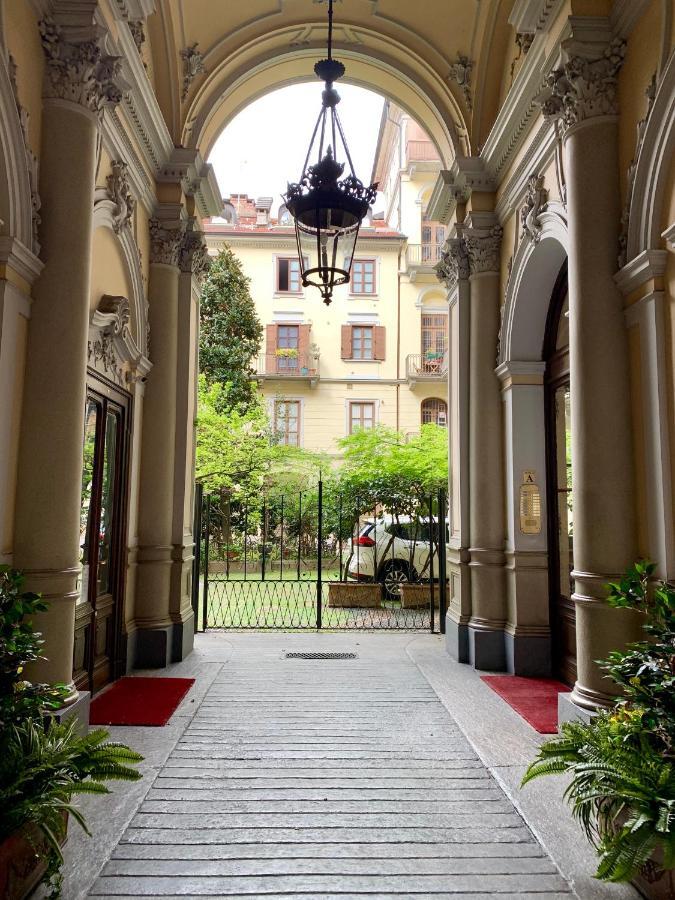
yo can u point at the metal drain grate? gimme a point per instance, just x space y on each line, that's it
321 656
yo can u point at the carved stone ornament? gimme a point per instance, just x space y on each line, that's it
120 193
483 246
32 161
454 263
111 349
584 88
166 242
535 202
193 65
80 72
194 259
138 34
460 73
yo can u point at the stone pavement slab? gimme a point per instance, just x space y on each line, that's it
325 778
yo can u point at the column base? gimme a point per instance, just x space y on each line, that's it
568 711
456 639
486 649
156 648
78 708
528 655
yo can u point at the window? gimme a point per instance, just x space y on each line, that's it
434 335
287 422
361 415
288 275
435 411
288 340
433 238
362 342
363 276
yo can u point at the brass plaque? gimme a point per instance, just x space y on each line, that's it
530 509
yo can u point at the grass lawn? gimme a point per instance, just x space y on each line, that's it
290 604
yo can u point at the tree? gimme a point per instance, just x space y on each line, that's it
231 332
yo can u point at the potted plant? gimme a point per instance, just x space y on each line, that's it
43 763
286 352
622 763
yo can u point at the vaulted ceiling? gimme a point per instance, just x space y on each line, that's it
412 52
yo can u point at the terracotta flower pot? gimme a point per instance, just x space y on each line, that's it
654 882
22 861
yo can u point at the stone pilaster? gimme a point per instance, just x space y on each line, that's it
486 466
159 638
80 81
582 96
453 271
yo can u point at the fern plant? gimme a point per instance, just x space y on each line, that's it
622 765
42 767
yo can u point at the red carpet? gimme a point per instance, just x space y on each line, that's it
535 699
139 701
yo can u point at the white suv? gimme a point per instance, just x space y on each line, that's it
393 551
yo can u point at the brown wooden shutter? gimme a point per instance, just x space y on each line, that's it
270 348
303 345
346 343
379 342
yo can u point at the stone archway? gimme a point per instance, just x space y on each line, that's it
521 367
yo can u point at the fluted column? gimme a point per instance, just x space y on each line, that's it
155 637
583 97
79 82
453 271
486 465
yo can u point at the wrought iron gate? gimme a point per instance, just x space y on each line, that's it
316 560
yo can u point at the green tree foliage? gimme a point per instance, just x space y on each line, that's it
381 468
231 333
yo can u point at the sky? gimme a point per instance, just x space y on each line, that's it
265 145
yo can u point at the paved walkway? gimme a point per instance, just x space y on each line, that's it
326 777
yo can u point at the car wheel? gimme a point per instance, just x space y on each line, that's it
394 574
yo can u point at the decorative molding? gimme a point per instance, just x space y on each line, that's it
111 349
645 267
483 246
535 202
650 94
531 16
454 263
32 163
460 73
79 70
584 88
20 258
166 241
541 150
455 185
135 10
193 65
120 194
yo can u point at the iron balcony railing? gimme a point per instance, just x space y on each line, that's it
430 366
423 254
421 150
287 365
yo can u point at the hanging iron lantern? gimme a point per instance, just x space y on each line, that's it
327 209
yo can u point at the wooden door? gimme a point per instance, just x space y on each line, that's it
560 506
98 619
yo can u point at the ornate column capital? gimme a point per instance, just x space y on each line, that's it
584 87
454 263
483 246
80 70
194 259
166 242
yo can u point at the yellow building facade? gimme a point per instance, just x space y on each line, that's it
553 128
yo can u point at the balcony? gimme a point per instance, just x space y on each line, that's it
279 365
424 367
421 258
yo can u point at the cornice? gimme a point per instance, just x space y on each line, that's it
531 16
648 265
540 152
455 185
196 177
118 144
18 257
